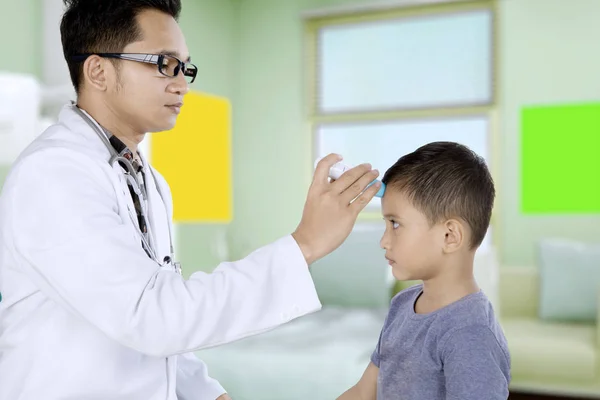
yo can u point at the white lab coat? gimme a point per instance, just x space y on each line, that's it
86 314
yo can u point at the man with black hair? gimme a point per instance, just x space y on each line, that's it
93 304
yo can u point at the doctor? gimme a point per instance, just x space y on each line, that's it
94 305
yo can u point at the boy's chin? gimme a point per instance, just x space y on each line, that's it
402 275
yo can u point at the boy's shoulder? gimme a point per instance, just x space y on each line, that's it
472 319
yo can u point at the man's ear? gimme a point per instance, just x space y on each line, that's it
455 235
95 72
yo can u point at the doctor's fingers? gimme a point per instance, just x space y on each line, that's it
359 186
364 199
350 178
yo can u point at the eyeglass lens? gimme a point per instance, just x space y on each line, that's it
170 66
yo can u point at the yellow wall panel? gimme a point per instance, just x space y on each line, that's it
195 159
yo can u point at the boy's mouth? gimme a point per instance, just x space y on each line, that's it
390 261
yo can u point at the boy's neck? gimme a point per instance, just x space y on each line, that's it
447 287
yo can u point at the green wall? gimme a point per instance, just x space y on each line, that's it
4 169
20 42
211 31
547 55
20 32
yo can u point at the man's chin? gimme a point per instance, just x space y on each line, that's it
163 126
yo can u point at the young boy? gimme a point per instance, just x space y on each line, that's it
440 339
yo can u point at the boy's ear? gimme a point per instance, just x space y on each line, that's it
455 236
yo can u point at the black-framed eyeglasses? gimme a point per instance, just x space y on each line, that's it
167 65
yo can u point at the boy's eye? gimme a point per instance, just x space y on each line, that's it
395 224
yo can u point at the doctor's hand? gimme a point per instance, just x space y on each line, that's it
224 397
329 212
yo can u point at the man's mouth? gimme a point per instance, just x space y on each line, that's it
176 107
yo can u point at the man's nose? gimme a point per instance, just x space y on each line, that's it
179 85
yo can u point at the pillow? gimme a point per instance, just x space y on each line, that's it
569 279
357 273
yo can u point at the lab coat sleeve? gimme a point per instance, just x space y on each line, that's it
193 382
72 242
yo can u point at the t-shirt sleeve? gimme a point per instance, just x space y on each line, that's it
375 356
475 365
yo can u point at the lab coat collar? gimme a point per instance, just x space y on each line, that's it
83 133
72 120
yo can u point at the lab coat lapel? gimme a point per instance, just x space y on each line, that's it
158 211
84 133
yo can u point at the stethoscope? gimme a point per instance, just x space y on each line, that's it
134 180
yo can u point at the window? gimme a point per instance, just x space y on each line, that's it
385 83
434 61
382 142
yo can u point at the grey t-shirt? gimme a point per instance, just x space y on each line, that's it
458 352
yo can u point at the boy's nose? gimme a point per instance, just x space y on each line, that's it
384 243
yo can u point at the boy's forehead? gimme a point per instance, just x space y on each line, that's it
394 196
393 201
397 203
